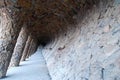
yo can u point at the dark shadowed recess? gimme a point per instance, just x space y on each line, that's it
44 40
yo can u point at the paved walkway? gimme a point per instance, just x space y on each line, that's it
32 69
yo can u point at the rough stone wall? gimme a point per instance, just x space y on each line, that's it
91 51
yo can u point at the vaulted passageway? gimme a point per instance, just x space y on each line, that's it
80 38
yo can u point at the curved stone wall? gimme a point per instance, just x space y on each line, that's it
91 51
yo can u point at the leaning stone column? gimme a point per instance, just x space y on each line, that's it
32 48
9 31
16 57
26 48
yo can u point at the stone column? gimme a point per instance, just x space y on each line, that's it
9 31
32 48
35 45
20 45
26 49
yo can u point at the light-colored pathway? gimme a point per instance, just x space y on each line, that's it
32 69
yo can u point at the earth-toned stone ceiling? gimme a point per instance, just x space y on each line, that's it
44 18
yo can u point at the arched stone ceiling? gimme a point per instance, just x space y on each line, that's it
45 18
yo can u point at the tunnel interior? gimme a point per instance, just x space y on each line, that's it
72 33
50 19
